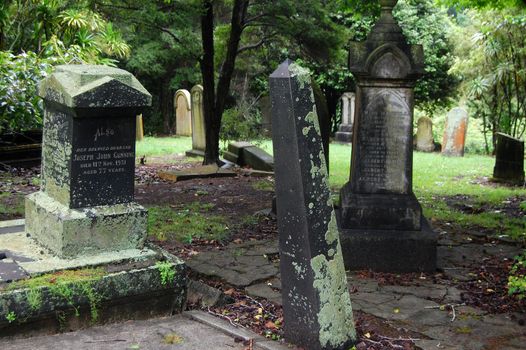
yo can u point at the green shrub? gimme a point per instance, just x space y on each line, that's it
239 126
20 106
517 278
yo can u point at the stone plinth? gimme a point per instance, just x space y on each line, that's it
316 304
455 133
183 113
378 207
424 135
509 162
344 133
86 203
198 123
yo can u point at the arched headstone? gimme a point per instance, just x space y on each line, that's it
198 123
455 132
183 113
424 135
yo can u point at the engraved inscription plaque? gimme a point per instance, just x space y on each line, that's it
102 162
382 163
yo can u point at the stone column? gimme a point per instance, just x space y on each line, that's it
382 222
344 133
316 304
86 202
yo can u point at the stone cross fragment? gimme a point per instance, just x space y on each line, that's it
509 160
316 304
381 220
86 202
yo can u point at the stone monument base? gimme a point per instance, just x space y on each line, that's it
73 232
195 153
344 134
88 290
380 211
390 250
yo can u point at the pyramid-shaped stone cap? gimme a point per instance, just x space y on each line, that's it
386 54
93 86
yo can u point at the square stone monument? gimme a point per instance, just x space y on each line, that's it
86 202
381 220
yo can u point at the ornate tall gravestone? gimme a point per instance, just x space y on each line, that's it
183 113
344 133
316 304
381 220
455 133
198 123
509 160
86 202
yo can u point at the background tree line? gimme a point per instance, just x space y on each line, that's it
474 52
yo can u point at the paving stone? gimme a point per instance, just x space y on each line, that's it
263 290
11 271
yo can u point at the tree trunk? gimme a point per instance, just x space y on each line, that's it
214 101
207 71
167 107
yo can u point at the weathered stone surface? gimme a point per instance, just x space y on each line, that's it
245 154
263 290
204 295
344 134
509 162
424 135
41 303
455 132
198 123
73 232
316 304
204 171
379 211
88 161
183 113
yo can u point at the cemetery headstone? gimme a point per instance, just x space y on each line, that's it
344 133
455 132
509 163
316 304
198 123
86 202
139 130
382 224
183 113
424 135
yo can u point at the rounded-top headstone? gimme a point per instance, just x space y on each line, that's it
94 86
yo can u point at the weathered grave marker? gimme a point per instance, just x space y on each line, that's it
198 123
344 133
424 135
455 132
183 113
509 162
316 304
382 224
86 203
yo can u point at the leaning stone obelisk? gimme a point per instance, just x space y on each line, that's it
316 304
381 219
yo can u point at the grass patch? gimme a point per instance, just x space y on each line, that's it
163 146
67 285
186 223
263 185
12 204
